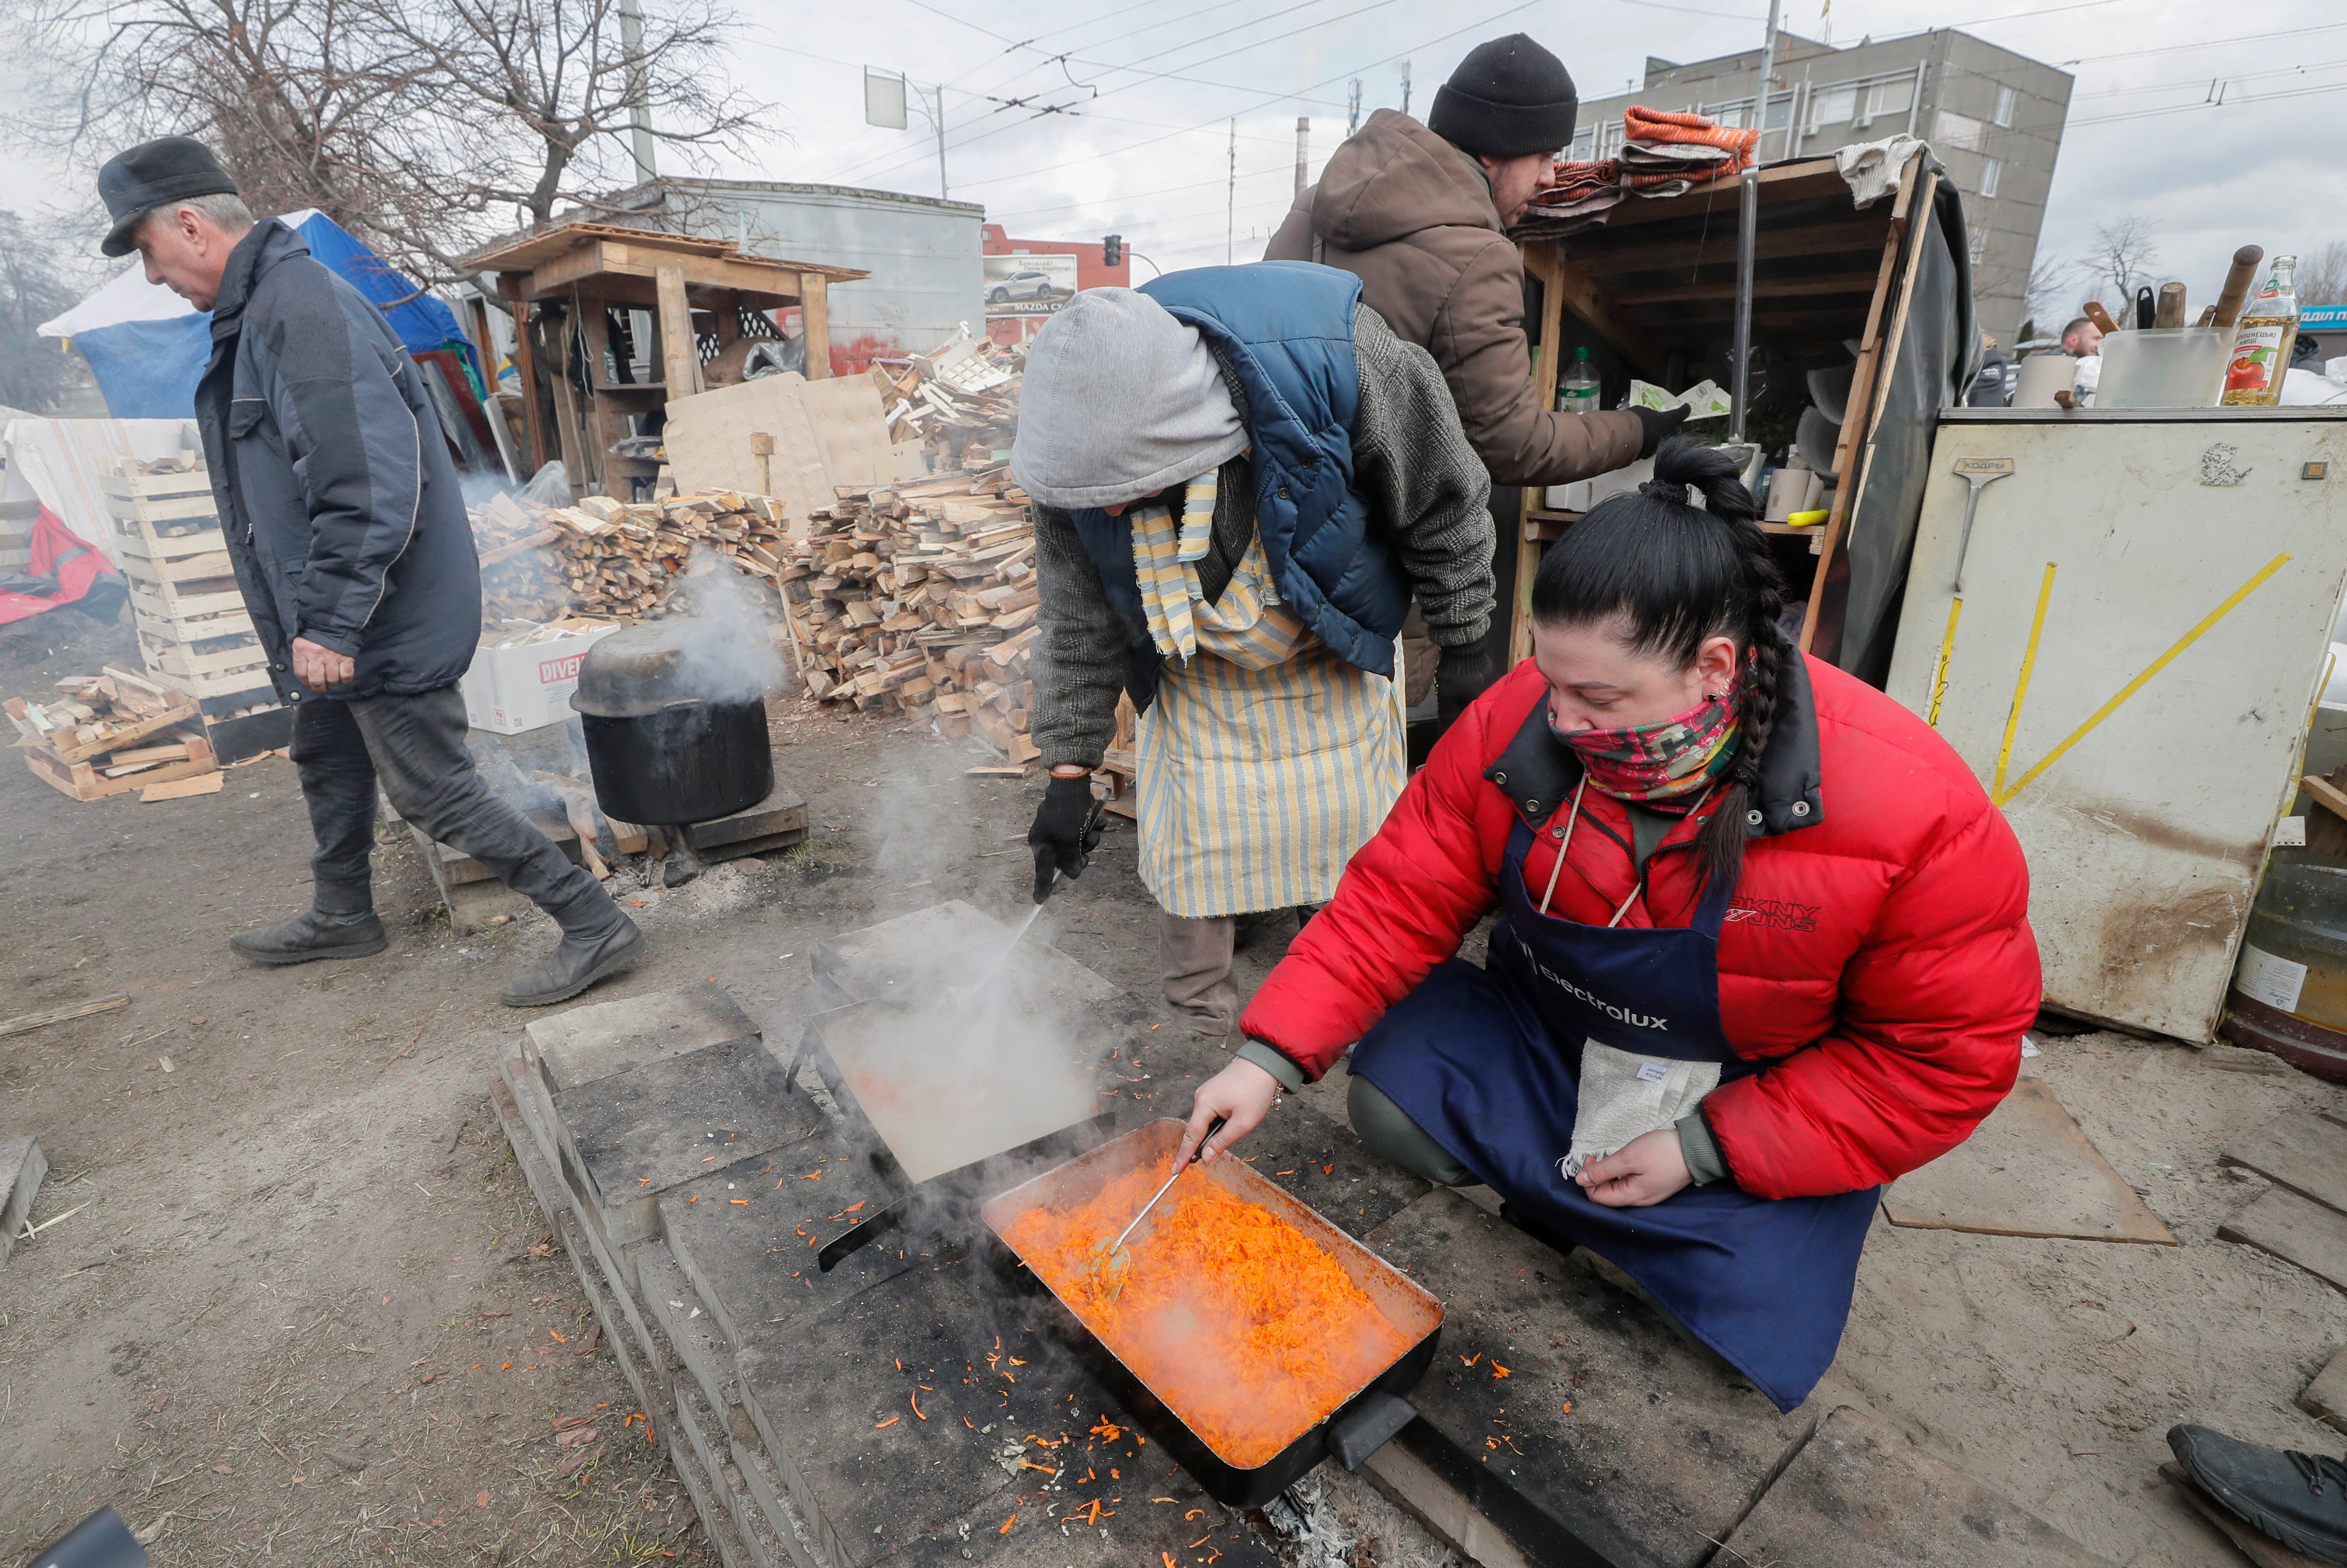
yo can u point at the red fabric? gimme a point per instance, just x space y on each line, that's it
53 543
1882 960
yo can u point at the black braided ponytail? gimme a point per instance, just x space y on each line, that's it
1676 574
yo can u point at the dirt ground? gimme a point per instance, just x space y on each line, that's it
302 1310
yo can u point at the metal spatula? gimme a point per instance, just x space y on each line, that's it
1115 1259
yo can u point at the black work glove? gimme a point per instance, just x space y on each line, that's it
1661 425
1460 674
1067 830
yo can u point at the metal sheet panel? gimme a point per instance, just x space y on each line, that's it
2130 670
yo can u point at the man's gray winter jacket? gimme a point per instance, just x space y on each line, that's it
335 489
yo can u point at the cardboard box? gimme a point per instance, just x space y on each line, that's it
527 685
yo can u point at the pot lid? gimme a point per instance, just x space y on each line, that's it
643 668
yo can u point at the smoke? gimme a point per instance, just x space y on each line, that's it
725 632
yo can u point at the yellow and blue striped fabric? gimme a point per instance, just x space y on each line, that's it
1257 785
1246 625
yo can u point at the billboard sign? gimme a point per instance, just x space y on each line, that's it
1028 285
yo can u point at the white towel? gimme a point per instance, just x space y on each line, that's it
1625 1097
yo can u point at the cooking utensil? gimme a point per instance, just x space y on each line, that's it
1114 1257
663 749
2147 309
2093 311
2235 296
2171 305
1979 473
1353 1431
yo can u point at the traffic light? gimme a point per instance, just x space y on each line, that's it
1112 250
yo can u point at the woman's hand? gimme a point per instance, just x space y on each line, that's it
1647 1170
1241 1093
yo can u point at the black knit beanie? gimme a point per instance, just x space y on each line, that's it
1508 98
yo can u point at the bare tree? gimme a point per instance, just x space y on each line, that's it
421 126
33 373
2321 275
2122 257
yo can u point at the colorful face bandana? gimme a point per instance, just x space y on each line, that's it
1654 764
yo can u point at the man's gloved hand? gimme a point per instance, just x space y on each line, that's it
1661 424
1067 830
1461 673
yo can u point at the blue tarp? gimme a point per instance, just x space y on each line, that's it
148 350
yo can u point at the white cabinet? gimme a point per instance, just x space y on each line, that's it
2143 633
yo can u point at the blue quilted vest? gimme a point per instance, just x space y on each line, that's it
1286 330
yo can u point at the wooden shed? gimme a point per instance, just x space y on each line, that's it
580 272
1652 293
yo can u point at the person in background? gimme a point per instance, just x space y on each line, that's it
354 556
1419 213
1990 388
2083 341
2296 1499
1764 942
1242 476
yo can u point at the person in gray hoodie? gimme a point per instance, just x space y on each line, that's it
1242 478
352 552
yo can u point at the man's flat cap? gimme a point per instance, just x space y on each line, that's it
154 174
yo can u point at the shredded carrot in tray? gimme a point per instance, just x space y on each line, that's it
1245 1326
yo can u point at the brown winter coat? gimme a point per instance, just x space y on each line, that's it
1411 216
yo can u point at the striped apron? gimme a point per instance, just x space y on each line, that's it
1267 760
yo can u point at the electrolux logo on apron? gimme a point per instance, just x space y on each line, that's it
1619 1015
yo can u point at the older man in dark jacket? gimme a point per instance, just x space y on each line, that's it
356 562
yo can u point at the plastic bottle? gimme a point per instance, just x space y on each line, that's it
1578 392
2268 331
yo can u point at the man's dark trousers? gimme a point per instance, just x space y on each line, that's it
415 747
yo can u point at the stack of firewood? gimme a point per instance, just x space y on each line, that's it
112 732
921 596
612 559
960 403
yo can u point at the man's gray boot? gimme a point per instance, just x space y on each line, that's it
312 935
575 964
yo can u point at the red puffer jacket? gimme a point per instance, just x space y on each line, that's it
1877 949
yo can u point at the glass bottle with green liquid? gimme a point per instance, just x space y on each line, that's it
1577 391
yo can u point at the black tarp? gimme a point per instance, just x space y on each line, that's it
1934 353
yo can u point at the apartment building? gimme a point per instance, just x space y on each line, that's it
1993 118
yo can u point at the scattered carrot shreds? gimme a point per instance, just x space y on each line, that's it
739 1203
559 1339
1017 1362
1169 1558
970 1424
1471 1360
1276 1333
507 1368
1568 1407
900 1362
891 1421
1200 1541
811 1177
1161 1500
1095 1517
643 1181
1498 1371
857 1207
914 1400
1014 1518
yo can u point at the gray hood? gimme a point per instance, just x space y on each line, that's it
1120 400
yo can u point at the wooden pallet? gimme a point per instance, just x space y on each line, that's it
86 780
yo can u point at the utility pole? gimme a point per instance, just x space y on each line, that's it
640 115
1405 87
1231 201
1353 109
941 136
1303 148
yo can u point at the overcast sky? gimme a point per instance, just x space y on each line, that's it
1150 88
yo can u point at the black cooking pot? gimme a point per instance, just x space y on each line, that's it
675 733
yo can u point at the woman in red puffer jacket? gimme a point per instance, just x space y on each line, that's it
1764 943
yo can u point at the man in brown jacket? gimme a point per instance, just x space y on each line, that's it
1419 213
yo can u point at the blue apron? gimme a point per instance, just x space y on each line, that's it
1488 1062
